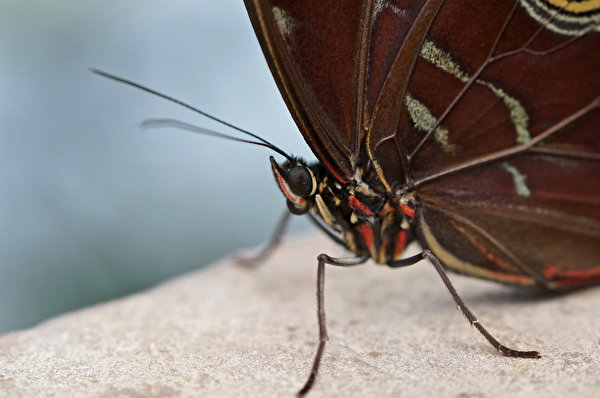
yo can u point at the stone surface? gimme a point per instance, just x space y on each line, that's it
233 332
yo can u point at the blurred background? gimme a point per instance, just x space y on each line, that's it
91 206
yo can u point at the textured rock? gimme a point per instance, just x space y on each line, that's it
233 332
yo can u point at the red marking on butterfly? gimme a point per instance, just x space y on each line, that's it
400 244
571 277
358 205
367 233
407 210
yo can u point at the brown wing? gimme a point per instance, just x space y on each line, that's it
487 109
529 219
330 59
501 126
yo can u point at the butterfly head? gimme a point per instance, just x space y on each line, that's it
298 183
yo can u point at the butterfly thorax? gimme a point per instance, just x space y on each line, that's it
367 222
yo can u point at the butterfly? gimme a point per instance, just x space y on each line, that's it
470 127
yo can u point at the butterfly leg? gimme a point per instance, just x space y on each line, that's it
324 259
274 240
427 254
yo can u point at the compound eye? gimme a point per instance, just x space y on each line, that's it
301 181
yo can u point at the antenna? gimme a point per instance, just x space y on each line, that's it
189 127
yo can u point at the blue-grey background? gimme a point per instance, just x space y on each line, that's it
91 206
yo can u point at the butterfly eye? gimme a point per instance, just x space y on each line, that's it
301 181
